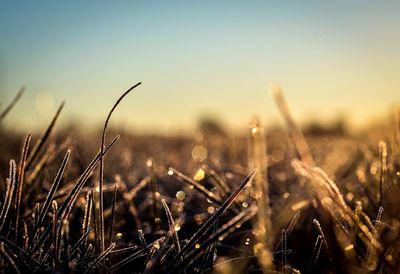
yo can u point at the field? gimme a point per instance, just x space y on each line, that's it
269 201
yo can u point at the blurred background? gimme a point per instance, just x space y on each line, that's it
208 61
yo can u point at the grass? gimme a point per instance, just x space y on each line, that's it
271 202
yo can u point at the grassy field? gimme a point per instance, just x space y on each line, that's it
270 201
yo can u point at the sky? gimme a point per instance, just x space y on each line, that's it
196 59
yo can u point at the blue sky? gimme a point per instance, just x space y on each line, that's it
198 58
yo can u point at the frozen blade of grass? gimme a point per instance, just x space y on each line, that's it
39 166
42 140
25 236
294 131
70 199
216 179
12 104
149 263
132 193
183 178
55 234
52 191
167 254
260 193
36 215
52 151
132 210
210 251
171 224
87 216
113 203
284 250
315 254
135 255
66 246
153 181
6 199
383 170
46 255
293 223
101 175
21 175
372 257
318 225
143 240
85 259
11 182
8 258
200 232
89 251
123 250
228 227
101 257
290 227
80 242
379 216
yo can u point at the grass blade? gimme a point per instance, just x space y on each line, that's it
52 191
294 131
42 140
12 104
103 140
113 203
21 175
171 224
11 182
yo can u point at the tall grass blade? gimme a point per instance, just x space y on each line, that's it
113 204
295 133
172 229
21 175
11 182
4 113
42 140
262 228
52 191
103 140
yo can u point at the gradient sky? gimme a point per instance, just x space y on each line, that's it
198 58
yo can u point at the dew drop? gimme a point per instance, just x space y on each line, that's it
180 195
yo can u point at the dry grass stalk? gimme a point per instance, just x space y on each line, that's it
4 113
295 133
101 173
262 228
